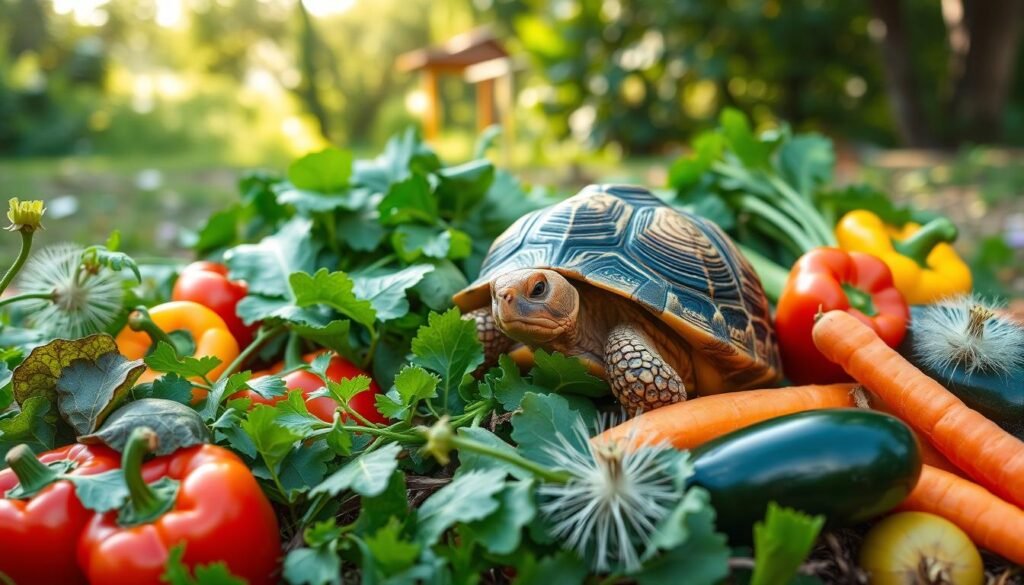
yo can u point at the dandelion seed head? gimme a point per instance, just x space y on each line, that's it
617 496
965 333
82 302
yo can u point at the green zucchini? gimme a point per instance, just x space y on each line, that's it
999 396
849 465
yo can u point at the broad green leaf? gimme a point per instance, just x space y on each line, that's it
751 151
293 414
411 242
392 553
168 387
376 511
781 542
702 560
413 383
176 572
266 266
308 202
33 425
222 389
272 440
463 186
501 532
332 289
176 426
566 375
38 374
164 359
304 468
333 335
346 388
673 530
470 496
6 392
448 345
313 566
219 231
438 286
404 154
563 568
367 475
408 201
542 417
88 391
806 162
267 386
325 171
360 231
469 460
687 171
101 492
386 291
507 385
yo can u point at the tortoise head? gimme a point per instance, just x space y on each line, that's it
535 306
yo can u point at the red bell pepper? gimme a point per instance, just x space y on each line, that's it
39 534
207 283
323 408
828 279
203 497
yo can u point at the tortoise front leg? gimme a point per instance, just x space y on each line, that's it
639 376
494 341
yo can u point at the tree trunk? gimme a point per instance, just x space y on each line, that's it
310 88
901 85
994 34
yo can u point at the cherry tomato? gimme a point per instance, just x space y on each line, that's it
915 547
323 407
207 283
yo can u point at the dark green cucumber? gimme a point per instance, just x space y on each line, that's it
998 396
848 465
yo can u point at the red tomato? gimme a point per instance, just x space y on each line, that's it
207 283
323 407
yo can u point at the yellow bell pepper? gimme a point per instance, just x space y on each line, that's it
191 328
924 265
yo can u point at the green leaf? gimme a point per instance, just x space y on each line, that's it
267 386
266 266
437 287
687 171
360 231
470 496
219 231
469 460
272 440
563 568
313 566
367 475
392 554
403 155
387 291
293 414
101 492
332 289
411 242
333 335
87 391
542 417
751 151
304 468
414 384
781 542
116 261
806 162
176 425
346 388
376 511
176 572
507 385
463 186
168 387
565 375
448 345
33 425
408 201
501 532
223 388
164 359
39 373
326 171
702 560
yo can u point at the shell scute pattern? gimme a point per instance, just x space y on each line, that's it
677 265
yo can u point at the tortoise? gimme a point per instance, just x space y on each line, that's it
657 301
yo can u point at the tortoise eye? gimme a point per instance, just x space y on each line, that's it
538 288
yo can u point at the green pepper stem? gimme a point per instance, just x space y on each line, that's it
921 243
147 504
26 247
25 297
33 474
549 475
860 300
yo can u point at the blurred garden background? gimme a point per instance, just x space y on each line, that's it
141 114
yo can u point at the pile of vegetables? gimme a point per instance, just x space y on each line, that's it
303 405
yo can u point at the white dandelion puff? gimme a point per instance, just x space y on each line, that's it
614 501
83 301
965 332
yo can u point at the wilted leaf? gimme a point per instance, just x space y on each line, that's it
101 492
176 426
30 426
87 391
38 374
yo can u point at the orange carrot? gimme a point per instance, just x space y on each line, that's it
989 455
990 522
929 454
688 424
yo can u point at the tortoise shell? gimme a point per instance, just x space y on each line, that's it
680 267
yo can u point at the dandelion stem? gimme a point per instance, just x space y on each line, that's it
548 475
26 246
25 297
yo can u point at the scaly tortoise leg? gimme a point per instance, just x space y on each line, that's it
638 375
494 341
